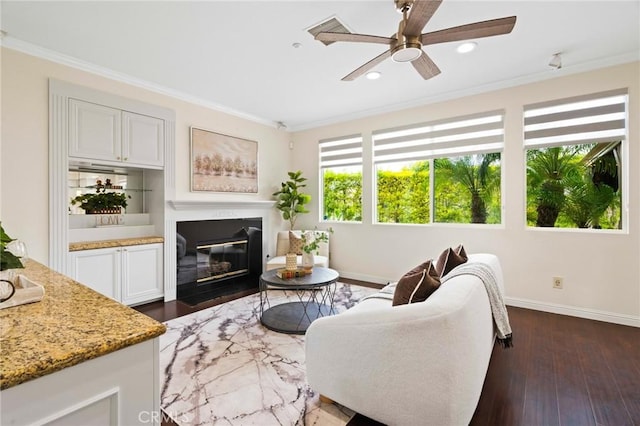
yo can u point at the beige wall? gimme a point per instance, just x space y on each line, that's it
600 269
24 145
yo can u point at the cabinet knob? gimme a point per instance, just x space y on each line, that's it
125 158
117 158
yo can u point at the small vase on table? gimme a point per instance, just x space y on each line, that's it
307 261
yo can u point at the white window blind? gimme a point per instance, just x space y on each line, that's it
472 134
599 117
345 151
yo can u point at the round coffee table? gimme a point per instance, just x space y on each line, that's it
314 293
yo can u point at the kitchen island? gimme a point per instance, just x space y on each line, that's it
77 357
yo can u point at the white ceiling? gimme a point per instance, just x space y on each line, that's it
237 56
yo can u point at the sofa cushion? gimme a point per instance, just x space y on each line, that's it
295 243
449 259
417 284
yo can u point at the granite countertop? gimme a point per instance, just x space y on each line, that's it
71 324
121 242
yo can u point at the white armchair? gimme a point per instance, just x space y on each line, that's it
282 248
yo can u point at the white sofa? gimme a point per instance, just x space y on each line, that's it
282 248
417 364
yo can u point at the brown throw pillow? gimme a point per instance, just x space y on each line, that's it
295 243
416 285
420 267
449 259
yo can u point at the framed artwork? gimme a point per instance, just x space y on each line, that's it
222 163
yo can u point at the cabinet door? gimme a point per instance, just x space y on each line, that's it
142 139
99 269
94 131
142 278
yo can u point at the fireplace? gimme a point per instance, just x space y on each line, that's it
217 257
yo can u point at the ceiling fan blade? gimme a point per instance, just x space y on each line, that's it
359 38
489 28
419 14
366 67
425 66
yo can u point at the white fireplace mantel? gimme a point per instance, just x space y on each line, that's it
201 204
209 210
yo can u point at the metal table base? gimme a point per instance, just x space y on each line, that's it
315 294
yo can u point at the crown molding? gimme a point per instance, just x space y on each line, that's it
547 74
70 61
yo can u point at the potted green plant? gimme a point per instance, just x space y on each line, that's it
102 202
8 260
311 239
290 199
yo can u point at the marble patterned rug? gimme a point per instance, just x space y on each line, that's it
222 367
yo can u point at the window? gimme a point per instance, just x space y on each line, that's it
574 153
341 177
443 171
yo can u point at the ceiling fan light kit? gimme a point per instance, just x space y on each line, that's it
406 45
408 52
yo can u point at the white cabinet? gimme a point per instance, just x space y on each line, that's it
130 274
142 139
142 273
119 388
98 132
99 269
94 131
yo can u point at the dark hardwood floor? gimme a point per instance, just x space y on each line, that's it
165 311
561 371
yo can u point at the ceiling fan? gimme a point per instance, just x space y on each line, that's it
406 44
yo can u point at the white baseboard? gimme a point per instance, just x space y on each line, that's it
553 308
363 277
573 311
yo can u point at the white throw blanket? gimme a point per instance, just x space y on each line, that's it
498 308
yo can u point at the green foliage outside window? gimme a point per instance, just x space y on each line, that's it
564 190
466 190
342 194
403 195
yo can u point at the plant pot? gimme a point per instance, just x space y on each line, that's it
114 210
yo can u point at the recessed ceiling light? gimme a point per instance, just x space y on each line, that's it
466 47
296 45
373 75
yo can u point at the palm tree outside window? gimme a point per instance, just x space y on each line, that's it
574 151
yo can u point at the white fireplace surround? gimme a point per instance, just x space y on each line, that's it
208 210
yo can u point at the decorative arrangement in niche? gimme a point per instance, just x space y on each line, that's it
102 201
222 163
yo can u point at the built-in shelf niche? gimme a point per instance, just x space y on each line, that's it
128 181
135 221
